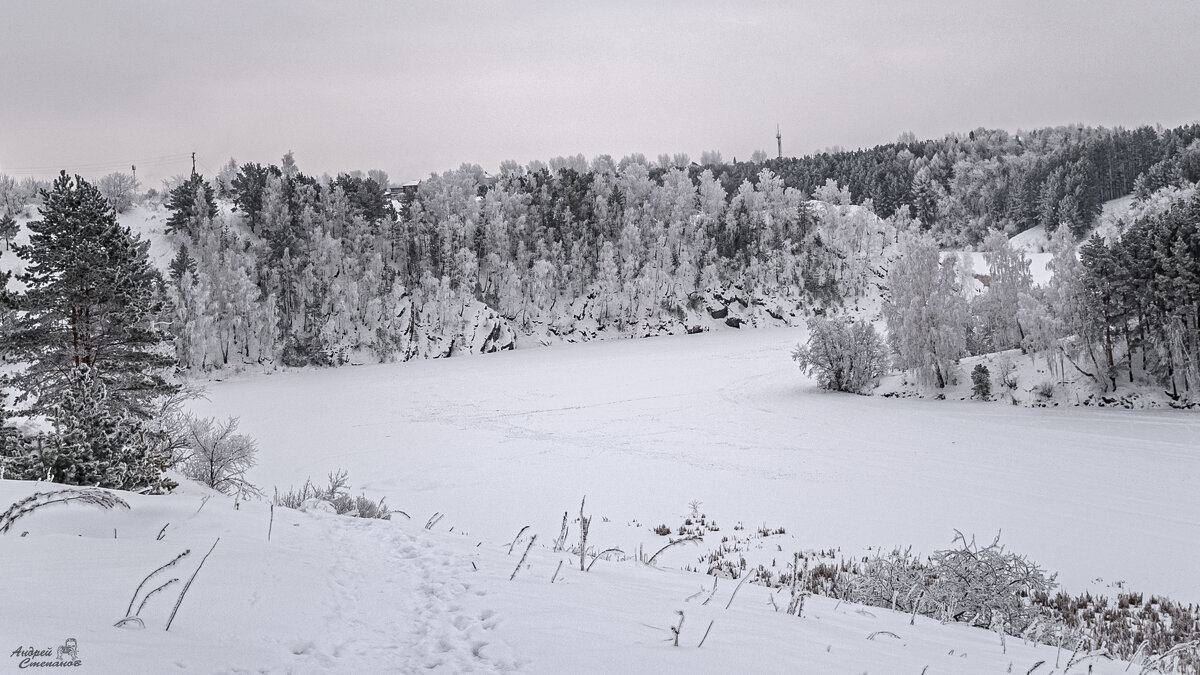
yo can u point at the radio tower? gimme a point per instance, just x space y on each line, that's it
779 141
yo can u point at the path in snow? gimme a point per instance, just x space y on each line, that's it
400 604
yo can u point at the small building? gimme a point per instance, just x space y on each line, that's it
408 189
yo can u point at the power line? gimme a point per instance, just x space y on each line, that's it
149 162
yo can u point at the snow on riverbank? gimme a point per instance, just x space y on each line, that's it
330 594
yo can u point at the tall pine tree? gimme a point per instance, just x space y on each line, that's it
90 300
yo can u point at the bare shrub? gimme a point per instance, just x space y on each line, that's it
1006 371
219 457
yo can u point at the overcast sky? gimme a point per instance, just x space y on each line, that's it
415 87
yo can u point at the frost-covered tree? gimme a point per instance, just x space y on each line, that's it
119 189
13 196
217 456
927 312
92 443
843 354
223 181
997 308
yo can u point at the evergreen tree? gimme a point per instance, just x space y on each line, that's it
8 229
183 263
191 203
90 300
95 444
981 382
248 186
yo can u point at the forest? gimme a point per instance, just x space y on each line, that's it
277 267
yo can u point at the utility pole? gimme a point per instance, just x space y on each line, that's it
133 168
779 141
193 165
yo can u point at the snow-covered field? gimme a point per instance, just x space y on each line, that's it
643 428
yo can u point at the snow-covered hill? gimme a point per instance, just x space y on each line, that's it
329 594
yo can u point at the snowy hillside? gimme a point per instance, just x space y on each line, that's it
328 594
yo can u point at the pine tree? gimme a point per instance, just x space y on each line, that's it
191 203
181 264
94 444
8 229
981 382
90 300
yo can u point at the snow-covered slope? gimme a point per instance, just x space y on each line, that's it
329 594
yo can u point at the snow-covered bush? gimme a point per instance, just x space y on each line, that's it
844 355
967 583
975 585
897 580
218 456
1044 389
337 495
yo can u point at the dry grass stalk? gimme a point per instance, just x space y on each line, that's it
174 560
37 500
516 539
737 588
189 584
147 598
561 542
523 556
601 555
584 524
714 592
692 537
